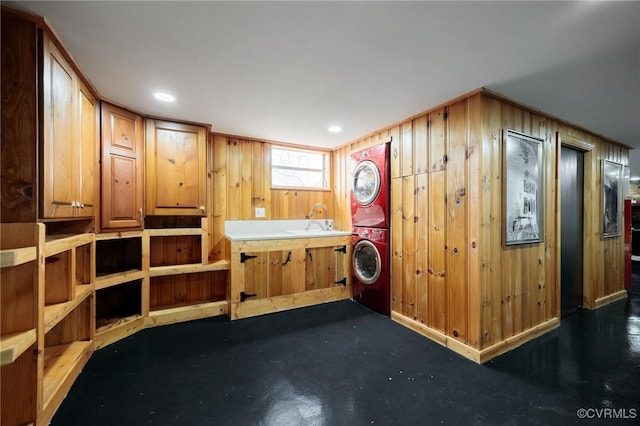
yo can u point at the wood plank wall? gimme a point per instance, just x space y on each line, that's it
241 170
452 278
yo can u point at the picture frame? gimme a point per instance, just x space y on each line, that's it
523 186
611 199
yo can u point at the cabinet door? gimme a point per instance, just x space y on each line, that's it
58 156
176 169
86 168
122 170
286 269
321 265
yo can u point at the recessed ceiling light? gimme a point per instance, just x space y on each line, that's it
164 97
335 129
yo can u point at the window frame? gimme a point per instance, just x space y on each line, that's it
326 170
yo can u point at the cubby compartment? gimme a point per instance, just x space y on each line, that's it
67 347
57 282
187 289
118 305
175 250
68 275
117 256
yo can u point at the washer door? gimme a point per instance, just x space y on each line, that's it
367 265
365 184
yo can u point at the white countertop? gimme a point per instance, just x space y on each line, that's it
242 230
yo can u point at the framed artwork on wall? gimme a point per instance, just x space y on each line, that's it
611 199
523 176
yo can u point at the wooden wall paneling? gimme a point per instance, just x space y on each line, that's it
234 174
493 121
18 111
246 180
598 254
549 251
408 247
457 298
422 247
218 210
437 149
397 241
266 180
420 145
474 207
542 270
406 148
437 267
395 152
341 169
257 178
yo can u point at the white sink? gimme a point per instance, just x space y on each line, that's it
306 231
238 230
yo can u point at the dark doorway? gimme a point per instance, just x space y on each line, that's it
571 208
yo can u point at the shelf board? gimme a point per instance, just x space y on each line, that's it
62 364
15 257
104 325
116 329
53 314
15 344
172 232
159 271
110 280
117 235
57 244
171 315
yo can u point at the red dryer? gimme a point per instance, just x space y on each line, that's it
370 174
371 286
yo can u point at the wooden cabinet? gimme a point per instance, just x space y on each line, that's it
122 168
274 275
69 140
175 168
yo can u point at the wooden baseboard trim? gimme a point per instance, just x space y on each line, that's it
610 298
477 355
269 305
186 313
514 341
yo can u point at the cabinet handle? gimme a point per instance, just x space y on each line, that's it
202 209
141 217
81 205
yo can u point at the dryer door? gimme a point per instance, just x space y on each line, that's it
365 183
367 264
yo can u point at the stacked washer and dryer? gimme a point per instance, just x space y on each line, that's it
370 185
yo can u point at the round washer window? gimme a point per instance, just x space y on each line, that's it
366 262
366 182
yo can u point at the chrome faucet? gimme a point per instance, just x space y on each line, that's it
327 226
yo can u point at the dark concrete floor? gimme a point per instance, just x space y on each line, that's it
342 364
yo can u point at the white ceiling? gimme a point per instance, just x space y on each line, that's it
286 71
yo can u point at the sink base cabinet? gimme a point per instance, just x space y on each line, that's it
275 275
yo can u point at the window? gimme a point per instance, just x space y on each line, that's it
305 169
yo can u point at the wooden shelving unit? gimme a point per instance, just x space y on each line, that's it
66 332
183 283
21 281
120 284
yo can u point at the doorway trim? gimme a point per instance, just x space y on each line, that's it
588 221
